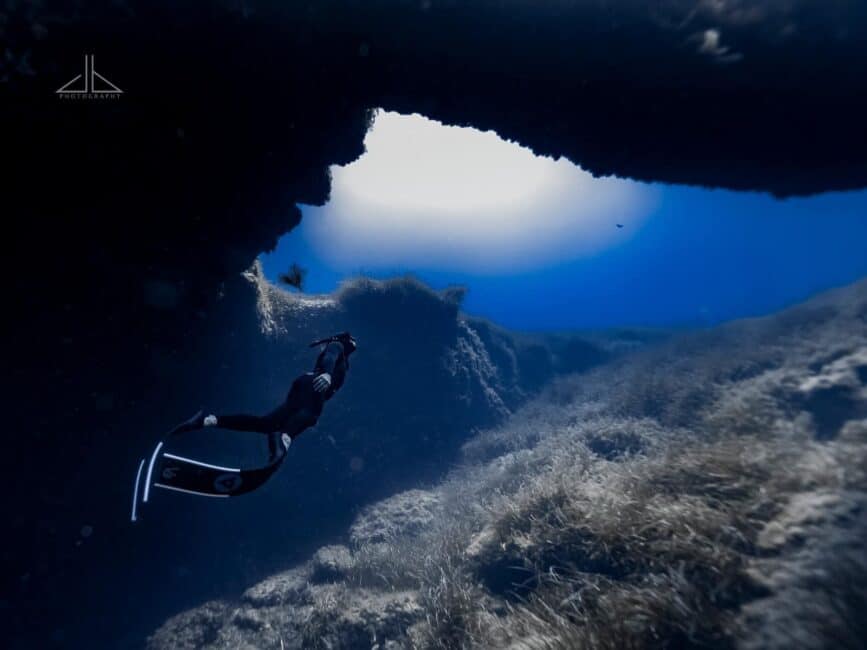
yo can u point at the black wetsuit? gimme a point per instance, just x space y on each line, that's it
303 404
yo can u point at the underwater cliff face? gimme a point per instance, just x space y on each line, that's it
696 493
423 377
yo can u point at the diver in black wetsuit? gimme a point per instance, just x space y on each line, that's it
303 404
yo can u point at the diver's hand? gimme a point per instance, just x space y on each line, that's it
322 383
210 421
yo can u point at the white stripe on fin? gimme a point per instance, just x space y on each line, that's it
195 462
135 489
177 489
147 489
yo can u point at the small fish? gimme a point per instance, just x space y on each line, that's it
294 277
619 225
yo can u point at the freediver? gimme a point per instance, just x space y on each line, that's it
303 404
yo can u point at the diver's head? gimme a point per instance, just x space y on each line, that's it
344 338
348 341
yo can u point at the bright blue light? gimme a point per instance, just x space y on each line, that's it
684 256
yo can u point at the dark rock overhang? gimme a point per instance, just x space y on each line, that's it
233 111
253 100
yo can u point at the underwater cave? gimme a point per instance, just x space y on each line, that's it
596 257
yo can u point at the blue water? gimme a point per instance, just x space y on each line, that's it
701 257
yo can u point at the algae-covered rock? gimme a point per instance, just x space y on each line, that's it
330 564
405 514
359 618
282 588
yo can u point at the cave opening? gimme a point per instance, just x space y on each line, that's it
454 205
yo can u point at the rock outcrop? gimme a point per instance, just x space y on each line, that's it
425 376
404 515
321 603
686 496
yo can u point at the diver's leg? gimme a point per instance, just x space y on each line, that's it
302 407
291 417
302 420
254 423
271 424
290 428
274 443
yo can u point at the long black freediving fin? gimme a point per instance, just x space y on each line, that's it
195 477
180 474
